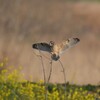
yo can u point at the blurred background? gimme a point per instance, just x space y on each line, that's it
24 22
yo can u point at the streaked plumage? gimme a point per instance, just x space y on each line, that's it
56 49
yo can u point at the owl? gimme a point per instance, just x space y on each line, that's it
56 49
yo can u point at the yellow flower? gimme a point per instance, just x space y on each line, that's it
1 64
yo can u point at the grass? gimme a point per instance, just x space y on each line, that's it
24 23
14 87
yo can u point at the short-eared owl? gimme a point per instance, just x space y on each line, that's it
56 49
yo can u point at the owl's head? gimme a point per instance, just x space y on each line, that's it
51 43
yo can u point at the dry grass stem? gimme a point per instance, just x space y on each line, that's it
63 70
44 74
50 71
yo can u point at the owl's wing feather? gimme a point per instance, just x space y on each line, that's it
67 44
42 46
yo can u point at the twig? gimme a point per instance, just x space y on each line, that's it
50 72
44 75
43 67
63 70
50 64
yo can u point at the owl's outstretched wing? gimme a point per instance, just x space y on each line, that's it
67 44
42 47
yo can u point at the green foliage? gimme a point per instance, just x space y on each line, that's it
14 87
